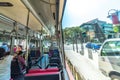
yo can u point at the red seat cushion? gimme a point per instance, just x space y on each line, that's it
43 70
38 74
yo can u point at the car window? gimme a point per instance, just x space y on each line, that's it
111 48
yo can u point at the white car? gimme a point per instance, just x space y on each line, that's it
109 58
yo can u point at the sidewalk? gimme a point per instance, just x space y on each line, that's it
84 66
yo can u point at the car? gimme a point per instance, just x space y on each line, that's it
93 45
109 58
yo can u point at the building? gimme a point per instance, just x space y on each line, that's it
97 29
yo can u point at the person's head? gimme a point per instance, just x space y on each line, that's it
19 48
4 43
5 47
2 52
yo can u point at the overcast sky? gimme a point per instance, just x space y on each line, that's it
81 11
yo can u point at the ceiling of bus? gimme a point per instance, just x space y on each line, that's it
4 26
49 12
19 13
43 13
61 6
34 23
45 10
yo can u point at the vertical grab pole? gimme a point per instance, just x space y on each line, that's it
11 46
27 39
41 43
76 42
27 42
13 37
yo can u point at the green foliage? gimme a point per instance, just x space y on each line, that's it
72 32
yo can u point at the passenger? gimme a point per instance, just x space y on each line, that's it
19 48
51 50
14 49
21 59
19 53
21 62
5 46
5 63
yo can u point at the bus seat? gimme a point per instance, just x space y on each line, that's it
55 60
53 63
38 53
35 53
56 51
43 70
51 52
32 53
43 76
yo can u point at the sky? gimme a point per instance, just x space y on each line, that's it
81 11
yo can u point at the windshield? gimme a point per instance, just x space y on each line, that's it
111 48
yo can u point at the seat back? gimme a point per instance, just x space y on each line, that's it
35 53
43 76
43 70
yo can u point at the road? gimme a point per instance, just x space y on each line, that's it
86 64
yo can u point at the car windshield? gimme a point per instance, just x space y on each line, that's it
111 48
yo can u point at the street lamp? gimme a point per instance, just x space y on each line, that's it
111 11
114 15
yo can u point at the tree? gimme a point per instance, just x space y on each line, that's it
72 32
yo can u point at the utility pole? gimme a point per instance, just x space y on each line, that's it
76 37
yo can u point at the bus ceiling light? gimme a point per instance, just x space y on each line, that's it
6 4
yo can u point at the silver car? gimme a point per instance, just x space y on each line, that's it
109 60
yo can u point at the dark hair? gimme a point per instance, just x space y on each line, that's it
20 46
20 52
2 52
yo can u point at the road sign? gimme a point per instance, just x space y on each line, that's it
116 28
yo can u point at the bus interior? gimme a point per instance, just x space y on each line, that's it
30 23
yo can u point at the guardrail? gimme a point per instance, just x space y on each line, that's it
73 69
